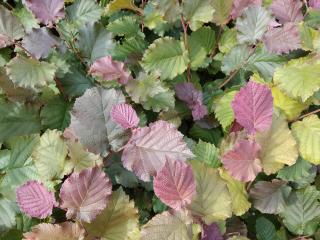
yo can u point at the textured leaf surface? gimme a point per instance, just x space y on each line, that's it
167 56
84 11
7 214
240 5
242 161
35 200
222 10
212 201
174 184
253 107
265 229
211 232
125 115
84 195
287 10
307 134
223 111
207 153
117 221
148 148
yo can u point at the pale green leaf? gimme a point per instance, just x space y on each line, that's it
235 59
222 9
84 11
126 26
168 10
207 153
228 40
223 110
161 101
26 18
130 48
8 212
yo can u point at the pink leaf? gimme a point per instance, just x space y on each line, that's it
314 4
240 5
242 162
282 39
110 70
211 232
147 150
46 11
253 107
175 184
125 115
35 200
287 10
70 134
84 195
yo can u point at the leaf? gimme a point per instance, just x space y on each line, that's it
197 12
299 78
222 10
26 18
307 134
238 193
291 107
80 158
84 11
50 156
228 39
207 153
282 40
212 201
8 212
166 10
35 200
92 122
47 12
116 5
127 26
84 195
302 216
242 161
265 229
10 28
149 147
166 56
278 146
17 120
270 197
117 221
30 73
174 184
110 69
94 42
130 48
223 110
252 24
39 42
240 5
287 10
167 226
211 232
63 231
252 107
235 59
125 115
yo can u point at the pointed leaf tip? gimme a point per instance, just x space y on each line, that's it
125 115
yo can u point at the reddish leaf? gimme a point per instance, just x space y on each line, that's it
240 5
175 184
125 115
35 200
211 232
84 195
287 10
253 107
314 4
242 162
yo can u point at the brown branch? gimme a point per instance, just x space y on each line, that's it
305 115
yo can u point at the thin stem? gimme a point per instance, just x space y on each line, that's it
8 5
249 185
186 44
307 114
214 50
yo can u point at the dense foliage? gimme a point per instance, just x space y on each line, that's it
159 119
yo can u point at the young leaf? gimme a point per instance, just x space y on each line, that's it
166 56
287 10
47 12
174 184
242 161
147 150
223 110
84 195
207 153
35 200
253 108
125 115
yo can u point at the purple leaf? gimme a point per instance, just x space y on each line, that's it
149 147
35 200
287 10
125 115
175 184
84 195
282 39
240 5
253 107
315 4
242 162
211 232
47 12
110 70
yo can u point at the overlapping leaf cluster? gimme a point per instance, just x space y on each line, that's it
159 119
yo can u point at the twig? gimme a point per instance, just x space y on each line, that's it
249 185
214 50
186 44
8 5
305 115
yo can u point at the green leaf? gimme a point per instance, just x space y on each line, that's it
235 59
166 56
55 114
301 217
207 153
252 24
18 120
161 101
8 212
265 229
116 5
307 133
130 48
223 110
300 78
228 39
222 9
127 26
26 18
94 42
207 135
84 11
197 12
313 18
168 10
30 73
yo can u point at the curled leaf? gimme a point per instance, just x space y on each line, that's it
287 10
125 115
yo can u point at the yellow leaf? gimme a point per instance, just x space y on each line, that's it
117 5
